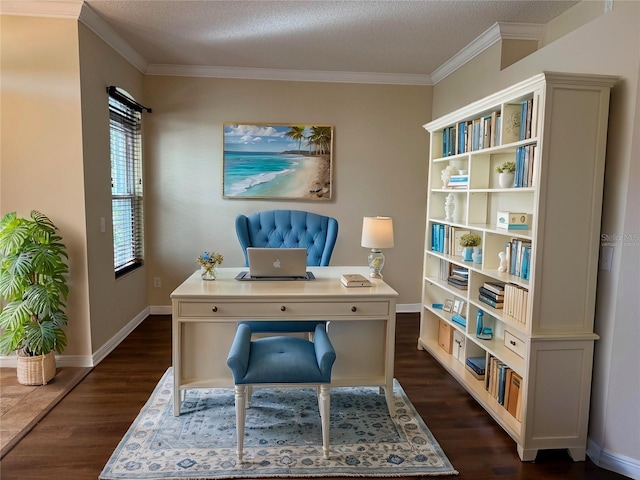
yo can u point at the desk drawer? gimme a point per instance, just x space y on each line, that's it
282 309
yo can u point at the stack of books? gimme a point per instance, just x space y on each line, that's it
519 258
492 293
459 278
476 365
459 181
516 302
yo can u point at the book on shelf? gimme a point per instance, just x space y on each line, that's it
514 397
354 280
523 175
515 250
497 304
498 297
460 278
516 301
494 287
443 274
454 283
460 272
458 181
474 373
502 376
477 365
511 117
507 389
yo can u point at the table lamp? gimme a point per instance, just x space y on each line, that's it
377 233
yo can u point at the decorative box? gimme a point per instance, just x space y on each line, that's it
445 336
513 221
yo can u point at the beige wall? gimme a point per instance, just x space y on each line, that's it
113 302
380 168
41 163
604 44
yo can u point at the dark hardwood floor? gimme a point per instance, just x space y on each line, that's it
75 440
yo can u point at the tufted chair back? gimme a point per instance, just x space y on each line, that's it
289 229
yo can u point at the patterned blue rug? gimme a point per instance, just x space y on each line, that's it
282 437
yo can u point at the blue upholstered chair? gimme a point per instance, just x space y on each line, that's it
289 229
281 361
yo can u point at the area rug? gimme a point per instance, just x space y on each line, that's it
282 437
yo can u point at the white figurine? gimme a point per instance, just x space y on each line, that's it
445 175
449 207
503 262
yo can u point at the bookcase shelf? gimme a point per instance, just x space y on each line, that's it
538 361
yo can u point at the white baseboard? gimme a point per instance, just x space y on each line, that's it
408 308
117 339
160 310
621 464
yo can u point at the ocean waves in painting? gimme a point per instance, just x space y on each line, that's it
259 173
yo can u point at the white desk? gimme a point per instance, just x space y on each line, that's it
205 314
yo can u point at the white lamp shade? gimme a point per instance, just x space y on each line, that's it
377 232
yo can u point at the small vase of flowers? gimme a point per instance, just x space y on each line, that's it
469 241
209 262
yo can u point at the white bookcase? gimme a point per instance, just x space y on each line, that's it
544 333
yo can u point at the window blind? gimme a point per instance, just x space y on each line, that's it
126 184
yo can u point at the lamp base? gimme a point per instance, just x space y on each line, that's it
376 262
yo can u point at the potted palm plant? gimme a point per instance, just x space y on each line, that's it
33 284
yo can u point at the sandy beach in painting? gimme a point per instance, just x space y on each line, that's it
312 180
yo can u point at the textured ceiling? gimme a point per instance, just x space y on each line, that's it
390 37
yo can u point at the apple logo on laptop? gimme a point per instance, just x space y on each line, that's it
276 264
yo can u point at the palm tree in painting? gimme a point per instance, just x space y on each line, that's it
296 133
320 137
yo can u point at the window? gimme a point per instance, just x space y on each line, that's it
125 116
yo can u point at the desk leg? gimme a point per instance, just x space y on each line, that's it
388 394
390 359
177 340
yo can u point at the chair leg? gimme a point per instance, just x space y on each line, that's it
249 394
324 402
240 399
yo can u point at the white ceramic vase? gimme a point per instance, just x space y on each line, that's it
505 179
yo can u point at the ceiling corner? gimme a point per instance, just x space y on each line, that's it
97 25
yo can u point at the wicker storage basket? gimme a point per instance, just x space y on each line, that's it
36 370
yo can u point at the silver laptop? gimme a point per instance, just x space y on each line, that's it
276 263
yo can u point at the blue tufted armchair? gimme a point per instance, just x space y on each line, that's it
289 229
281 361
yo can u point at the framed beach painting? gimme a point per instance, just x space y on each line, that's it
277 161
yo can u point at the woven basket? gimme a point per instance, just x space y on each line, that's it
36 370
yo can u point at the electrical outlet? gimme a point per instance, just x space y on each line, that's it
608 6
157 283
606 258
103 225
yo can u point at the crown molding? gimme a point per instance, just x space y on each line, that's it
79 10
495 33
287 75
38 8
97 25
